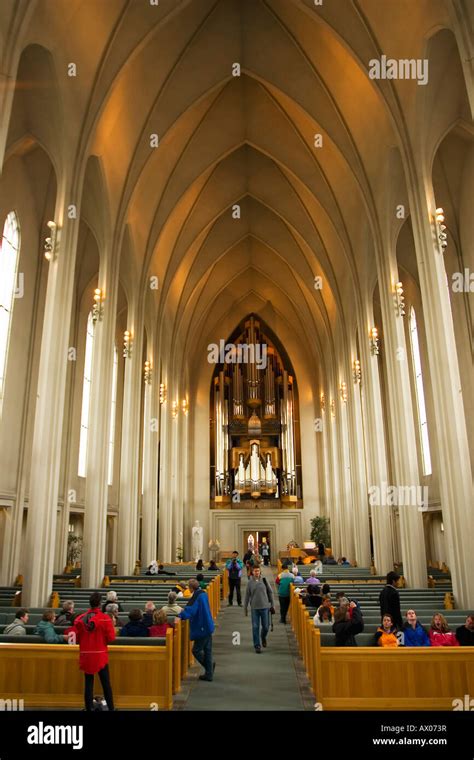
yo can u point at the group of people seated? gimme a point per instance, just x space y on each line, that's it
413 634
149 622
158 569
347 621
212 566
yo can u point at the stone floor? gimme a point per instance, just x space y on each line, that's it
244 680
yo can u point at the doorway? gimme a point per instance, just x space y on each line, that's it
258 536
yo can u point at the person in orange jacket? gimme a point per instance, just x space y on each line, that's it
386 634
93 631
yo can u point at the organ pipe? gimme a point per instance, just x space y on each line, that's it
254 411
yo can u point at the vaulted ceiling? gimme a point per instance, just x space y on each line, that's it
305 209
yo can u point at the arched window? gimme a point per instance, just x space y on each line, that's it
86 394
9 255
420 395
113 412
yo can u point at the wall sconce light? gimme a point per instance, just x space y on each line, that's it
441 229
442 527
399 299
147 372
356 371
127 344
174 409
374 341
50 242
322 402
98 307
162 393
333 407
185 406
343 391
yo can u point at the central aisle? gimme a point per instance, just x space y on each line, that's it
244 680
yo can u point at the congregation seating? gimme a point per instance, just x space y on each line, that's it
133 591
144 671
368 677
47 675
353 575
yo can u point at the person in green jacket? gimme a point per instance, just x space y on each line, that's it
283 582
45 629
201 581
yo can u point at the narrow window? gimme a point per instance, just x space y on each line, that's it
9 255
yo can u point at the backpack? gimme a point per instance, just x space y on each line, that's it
268 595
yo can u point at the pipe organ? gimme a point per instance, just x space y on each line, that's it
254 423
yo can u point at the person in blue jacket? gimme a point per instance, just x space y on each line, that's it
414 635
198 612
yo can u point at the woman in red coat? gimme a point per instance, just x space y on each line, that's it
440 635
93 630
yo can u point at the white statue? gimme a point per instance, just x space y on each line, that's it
251 543
197 534
255 465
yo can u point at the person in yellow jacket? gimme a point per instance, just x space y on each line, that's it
386 634
183 591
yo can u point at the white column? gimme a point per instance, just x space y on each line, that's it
130 477
455 474
165 513
150 485
176 464
49 413
63 528
326 454
358 456
96 498
335 509
347 523
405 462
182 525
377 463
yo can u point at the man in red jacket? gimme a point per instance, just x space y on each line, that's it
93 630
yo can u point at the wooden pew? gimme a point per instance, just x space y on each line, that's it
48 675
376 678
178 646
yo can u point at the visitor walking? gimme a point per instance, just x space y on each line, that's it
234 568
260 597
284 580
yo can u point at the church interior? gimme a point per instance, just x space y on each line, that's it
236 303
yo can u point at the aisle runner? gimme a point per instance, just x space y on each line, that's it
244 680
